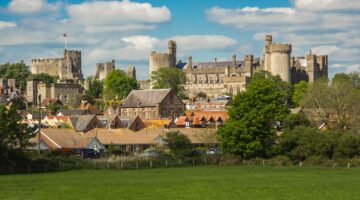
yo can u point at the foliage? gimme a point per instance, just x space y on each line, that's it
53 108
303 142
201 95
338 100
65 126
299 91
13 135
348 146
45 77
294 120
250 131
118 85
178 144
95 90
169 77
18 71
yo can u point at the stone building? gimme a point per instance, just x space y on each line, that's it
67 89
102 69
160 60
131 72
217 78
68 67
150 104
67 93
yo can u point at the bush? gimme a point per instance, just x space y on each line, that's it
348 146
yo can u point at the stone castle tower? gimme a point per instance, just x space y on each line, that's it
102 69
67 68
277 58
131 72
161 60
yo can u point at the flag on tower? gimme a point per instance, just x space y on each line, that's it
64 35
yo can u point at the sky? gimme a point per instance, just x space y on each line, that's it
127 31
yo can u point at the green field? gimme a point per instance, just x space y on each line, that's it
202 182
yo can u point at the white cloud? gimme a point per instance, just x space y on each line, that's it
115 15
353 68
31 6
327 5
4 24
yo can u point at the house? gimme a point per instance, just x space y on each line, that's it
111 121
219 104
90 109
133 123
127 140
162 122
54 121
84 123
207 118
152 103
65 140
48 101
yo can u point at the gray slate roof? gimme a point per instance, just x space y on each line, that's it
83 121
145 98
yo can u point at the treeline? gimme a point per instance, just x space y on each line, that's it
325 123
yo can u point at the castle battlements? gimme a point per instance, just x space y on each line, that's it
280 48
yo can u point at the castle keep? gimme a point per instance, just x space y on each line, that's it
217 78
102 69
67 68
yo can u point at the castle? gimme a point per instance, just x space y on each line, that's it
217 78
68 89
102 69
66 68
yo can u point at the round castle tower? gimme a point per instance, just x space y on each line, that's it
280 60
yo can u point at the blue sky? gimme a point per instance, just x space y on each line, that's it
128 31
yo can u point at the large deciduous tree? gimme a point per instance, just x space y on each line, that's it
299 92
169 77
18 71
254 114
118 85
337 102
14 136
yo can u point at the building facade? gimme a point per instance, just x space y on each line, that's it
151 104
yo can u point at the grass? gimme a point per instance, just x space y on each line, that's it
202 182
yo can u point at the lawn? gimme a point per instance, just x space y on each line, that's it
202 182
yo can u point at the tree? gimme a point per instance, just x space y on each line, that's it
336 103
294 120
53 108
169 77
95 91
178 144
118 85
299 91
45 77
18 71
250 130
14 136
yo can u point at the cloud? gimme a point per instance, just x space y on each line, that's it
4 24
327 5
100 16
31 6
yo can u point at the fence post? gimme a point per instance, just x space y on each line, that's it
300 164
205 161
180 161
108 164
193 161
263 162
166 163
348 166
150 163
137 164
334 165
122 164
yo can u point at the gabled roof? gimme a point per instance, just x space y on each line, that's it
48 101
83 122
89 108
64 139
158 122
145 98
